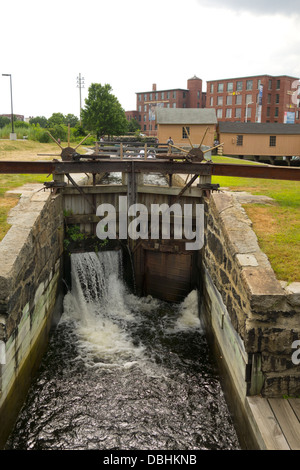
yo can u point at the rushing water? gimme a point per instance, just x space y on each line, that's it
123 372
149 178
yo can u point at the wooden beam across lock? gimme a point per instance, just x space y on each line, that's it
151 166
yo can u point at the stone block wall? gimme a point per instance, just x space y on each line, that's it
263 312
30 280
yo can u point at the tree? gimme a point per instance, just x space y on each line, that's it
71 119
4 121
103 113
133 125
56 119
41 120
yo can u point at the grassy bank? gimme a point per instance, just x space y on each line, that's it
277 226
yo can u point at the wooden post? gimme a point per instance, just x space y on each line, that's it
121 151
145 151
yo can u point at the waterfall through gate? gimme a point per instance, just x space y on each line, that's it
124 372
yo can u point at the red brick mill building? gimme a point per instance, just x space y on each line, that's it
261 99
148 101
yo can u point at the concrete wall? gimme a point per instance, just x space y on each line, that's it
30 275
253 316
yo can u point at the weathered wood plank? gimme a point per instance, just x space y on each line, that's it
266 425
287 420
295 404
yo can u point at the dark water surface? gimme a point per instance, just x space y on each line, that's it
123 372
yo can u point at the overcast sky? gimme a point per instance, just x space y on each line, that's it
132 44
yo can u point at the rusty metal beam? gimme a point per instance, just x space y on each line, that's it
151 166
256 171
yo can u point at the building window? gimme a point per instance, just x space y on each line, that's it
277 99
140 108
140 97
145 127
211 101
258 83
238 112
212 88
239 140
156 97
229 100
198 94
174 105
145 108
220 87
228 113
185 132
276 112
174 94
145 117
248 99
270 84
278 85
140 117
150 97
272 140
220 101
238 99
269 98
230 86
168 95
268 112
219 113
248 112
239 86
162 95
145 97
249 84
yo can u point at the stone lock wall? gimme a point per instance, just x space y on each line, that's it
30 275
262 313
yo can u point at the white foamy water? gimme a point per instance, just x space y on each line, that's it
105 313
123 373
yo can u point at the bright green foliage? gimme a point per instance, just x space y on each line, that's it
41 120
103 113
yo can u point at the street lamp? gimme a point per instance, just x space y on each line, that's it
247 104
12 136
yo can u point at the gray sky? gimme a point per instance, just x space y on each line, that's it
259 7
132 44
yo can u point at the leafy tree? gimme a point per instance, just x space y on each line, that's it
71 119
56 119
41 120
4 121
103 113
133 125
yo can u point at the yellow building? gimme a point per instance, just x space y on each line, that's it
185 125
259 140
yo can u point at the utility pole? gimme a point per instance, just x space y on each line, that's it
12 135
80 84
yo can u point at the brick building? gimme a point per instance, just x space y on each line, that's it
148 101
262 98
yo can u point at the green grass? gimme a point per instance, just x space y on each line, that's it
277 226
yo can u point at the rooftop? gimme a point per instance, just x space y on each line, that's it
258 128
186 116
